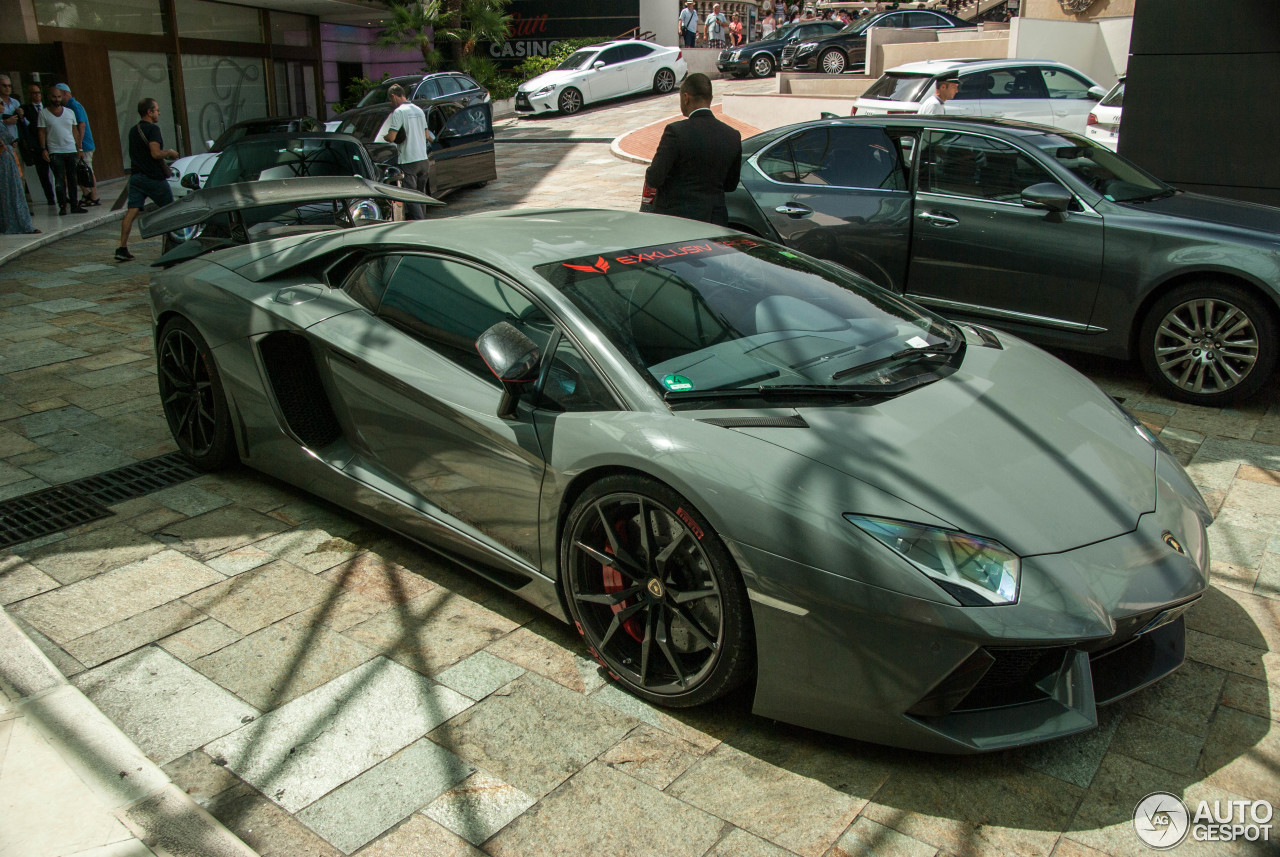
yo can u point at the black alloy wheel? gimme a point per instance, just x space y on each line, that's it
762 65
570 101
1208 343
655 594
192 398
832 62
664 81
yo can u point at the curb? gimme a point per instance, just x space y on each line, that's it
81 223
138 794
615 146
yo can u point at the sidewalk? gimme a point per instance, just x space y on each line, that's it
54 227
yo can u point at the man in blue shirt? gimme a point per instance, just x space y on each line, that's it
88 193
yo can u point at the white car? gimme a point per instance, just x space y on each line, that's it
201 165
603 71
1041 91
1103 124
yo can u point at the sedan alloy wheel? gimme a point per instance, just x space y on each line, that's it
762 66
832 62
570 101
664 81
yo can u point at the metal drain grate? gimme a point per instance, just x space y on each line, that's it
45 512
135 480
52 510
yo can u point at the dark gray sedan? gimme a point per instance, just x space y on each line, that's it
1041 232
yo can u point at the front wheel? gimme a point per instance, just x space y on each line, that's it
664 81
570 101
654 593
832 62
1208 343
762 66
191 395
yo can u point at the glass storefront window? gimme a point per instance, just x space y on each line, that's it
295 89
290 29
221 91
201 20
135 76
116 16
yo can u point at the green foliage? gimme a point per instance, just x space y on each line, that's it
421 26
486 73
487 21
355 91
531 67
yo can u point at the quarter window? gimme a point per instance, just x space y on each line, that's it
837 157
449 85
978 167
1061 83
572 385
367 283
428 89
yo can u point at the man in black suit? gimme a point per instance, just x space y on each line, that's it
29 140
697 159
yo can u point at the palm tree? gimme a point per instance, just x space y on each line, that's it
422 25
487 20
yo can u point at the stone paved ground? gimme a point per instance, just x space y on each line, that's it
322 686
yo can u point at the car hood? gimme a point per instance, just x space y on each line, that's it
1014 446
198 164
1215 209
549 78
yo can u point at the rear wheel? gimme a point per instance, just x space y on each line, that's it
762 65
191 395
832 62
654 593
570 101
664 81
1208 343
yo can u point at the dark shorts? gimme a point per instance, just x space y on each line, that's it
142 188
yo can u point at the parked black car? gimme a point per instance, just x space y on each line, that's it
1035 230
841 51
434 88
462 154
762 58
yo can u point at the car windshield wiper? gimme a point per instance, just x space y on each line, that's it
1160 194
905 355
780 391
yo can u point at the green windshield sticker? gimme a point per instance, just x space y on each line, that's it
789 255
677 383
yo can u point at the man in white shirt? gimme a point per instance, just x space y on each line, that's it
944 89
717 23
60 144
408 130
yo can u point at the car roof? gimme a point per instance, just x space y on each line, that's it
926 67
1011 127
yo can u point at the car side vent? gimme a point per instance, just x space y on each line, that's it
299 392
757 422
988 337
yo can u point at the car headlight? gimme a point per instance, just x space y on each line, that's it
735 56
364 209
807 47
973 570
550 87
186 233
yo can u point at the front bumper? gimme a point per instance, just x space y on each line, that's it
526 103
1091 626
801 62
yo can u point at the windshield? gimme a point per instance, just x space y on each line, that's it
1101 169
739 314
898 87
257 159
578 59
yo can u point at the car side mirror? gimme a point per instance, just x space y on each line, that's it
390 173
1049 196
208 144
597 65
513 358
190 181
1097 93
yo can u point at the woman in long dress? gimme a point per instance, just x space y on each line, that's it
15 217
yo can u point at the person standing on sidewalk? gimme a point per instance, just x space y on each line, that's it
60 147
408 130
689 23
148 175
717 24
15 215
29 140
88 193
697 161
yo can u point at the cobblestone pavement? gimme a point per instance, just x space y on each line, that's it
322 686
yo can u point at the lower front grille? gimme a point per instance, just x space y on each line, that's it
1016 676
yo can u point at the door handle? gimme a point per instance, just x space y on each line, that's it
792 209
937 219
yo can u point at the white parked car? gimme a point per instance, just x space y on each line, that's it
1042 91
201 165
1103 124
603 71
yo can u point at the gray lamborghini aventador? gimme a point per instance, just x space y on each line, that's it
723 461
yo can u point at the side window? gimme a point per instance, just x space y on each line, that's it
367 282
977 167
449 85
467 122
838 157
925 20
897 19
466 82
572 385
447 305
611 56
429 88
1018 83
1061 83
974 86
440 116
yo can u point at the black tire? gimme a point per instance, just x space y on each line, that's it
1208 343
570 101
191 394
664 81
762 65
833 62
661 607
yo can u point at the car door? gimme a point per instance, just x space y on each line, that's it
1069 98
462 153
1018 93
641 64
975 249
609 80
840 193
423 407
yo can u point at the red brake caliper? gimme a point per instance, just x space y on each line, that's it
615 582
